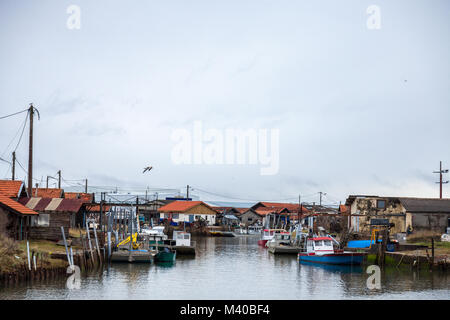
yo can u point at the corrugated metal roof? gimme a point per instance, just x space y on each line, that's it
426 205
55 204
15 206
11 188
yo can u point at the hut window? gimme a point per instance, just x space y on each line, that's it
381 204
43 220
175 216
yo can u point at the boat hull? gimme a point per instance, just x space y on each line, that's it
262 242
346 258
165 256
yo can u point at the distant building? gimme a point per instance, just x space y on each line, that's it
188 211
250 217
86 197
413 214
47 193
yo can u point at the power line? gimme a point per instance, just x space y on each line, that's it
17 133
236 198
13 114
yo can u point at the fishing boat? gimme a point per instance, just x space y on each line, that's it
279 239
321 250
268 234
183 243
166 254
281 244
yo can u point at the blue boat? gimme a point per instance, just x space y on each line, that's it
321 250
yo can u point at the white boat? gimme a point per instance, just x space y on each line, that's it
279 239
157 232
268 234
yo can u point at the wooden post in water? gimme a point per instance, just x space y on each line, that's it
90 244
96 244
28 255
65 245
432 253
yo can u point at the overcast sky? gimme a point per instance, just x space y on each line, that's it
359 110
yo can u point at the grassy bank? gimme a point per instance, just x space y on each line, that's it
13 254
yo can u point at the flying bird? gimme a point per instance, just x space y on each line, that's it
147 169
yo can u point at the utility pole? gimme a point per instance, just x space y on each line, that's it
47 181
13 165
321 193
187 192
85 187
59 179
440 178
30 152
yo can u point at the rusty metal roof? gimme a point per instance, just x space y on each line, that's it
52 204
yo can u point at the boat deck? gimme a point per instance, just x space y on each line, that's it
134 256
284 250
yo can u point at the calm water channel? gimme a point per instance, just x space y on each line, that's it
236 268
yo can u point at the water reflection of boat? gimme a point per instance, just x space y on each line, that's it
334 267
165 264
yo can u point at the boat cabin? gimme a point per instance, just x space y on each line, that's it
182 238
282 238
320 245
270 233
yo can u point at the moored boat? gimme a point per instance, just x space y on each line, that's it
321 250
268 234
166 254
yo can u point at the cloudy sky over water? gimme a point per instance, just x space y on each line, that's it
359 110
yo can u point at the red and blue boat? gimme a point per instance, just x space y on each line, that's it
321 250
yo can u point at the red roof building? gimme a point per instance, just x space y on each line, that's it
12 188
86 197
188 212
47 193
15 218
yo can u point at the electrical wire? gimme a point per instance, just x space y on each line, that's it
236 198
13 114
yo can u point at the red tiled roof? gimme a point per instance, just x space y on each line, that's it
86 197
15 206
11 188
181 206
96 208
47 193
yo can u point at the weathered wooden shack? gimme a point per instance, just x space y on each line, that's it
15 218
406 214
54 213
250 217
